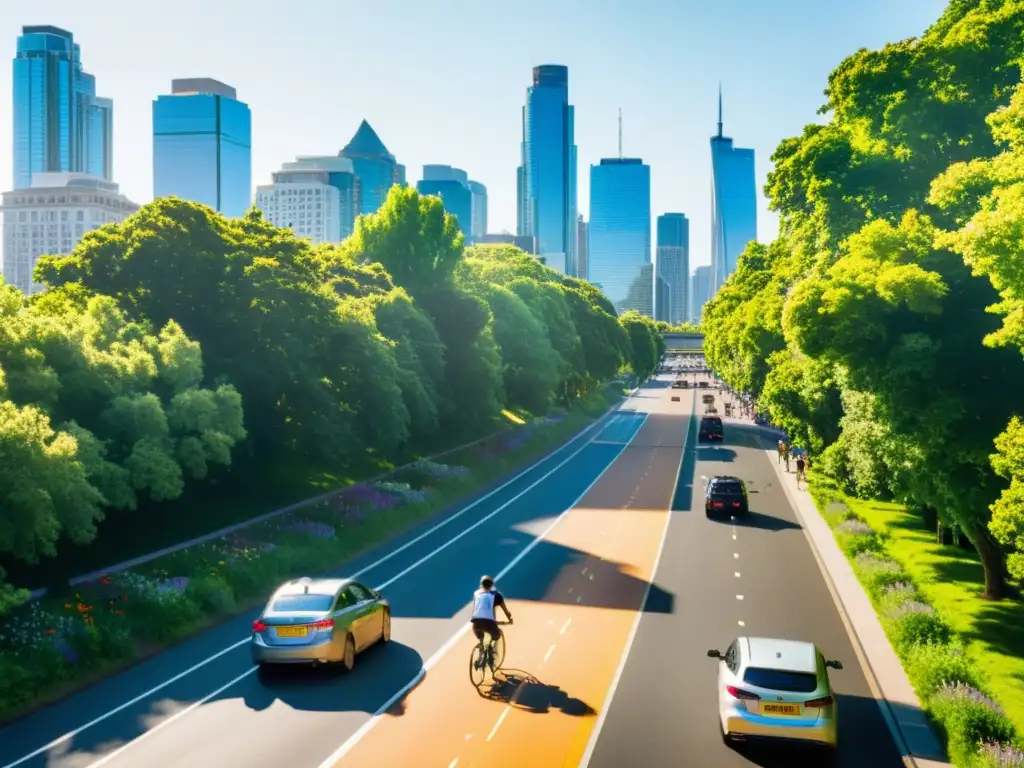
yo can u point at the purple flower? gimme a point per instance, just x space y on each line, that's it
911 606
176 584
1001 756
66 650
313 528
964 692
855 527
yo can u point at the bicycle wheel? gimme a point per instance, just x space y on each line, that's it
477 668
498 654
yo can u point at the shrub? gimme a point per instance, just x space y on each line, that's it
933 665
897 593
969 719
856 538
878 573
909 624
995 755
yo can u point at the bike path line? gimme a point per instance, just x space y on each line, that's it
71 734
380 715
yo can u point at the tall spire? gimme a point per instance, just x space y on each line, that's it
719 109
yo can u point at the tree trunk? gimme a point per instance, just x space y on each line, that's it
992 562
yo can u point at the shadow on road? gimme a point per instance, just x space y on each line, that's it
378 673
765 522
523 691
711 453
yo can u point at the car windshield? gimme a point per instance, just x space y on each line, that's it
304 603
727 486
781 680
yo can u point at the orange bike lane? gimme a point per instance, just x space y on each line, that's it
575 600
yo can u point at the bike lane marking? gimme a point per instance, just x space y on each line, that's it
563 652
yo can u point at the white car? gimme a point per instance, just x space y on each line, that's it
776 690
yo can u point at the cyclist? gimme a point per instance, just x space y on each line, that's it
484 619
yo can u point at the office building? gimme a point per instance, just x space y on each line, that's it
202 146
672 269
700 291
619 247
50 216
452 186
316 197
546 178
523 242
375 168
582 239
733 204
60 125
479 216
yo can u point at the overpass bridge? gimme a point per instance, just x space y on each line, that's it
684 342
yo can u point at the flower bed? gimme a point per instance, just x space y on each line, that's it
55 645
954 691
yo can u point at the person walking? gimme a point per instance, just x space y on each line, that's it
800 466
787 452
782 450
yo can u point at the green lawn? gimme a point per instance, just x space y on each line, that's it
951 580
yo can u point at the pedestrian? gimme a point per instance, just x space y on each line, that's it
799 469
787 454
782 450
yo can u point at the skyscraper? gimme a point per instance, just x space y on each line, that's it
375 167
546 178
619 247
452 186
479 225
59 123
314 196
202 145
582 242
700 291
672 267
733 204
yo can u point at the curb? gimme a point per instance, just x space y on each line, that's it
894 693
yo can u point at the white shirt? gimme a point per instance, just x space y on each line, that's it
483 604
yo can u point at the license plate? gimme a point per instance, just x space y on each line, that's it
779 708
292 631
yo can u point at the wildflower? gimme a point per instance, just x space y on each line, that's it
962 692
910 606
1001 756
313 528
855 527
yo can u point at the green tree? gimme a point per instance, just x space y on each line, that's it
643 349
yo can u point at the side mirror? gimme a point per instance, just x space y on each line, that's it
834 664
713 654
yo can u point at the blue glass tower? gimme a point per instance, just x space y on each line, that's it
59 123
202 146
672 269
733 204
546 178
700 291
375 167
619 243
452 185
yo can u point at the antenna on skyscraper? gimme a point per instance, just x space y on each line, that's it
719 109
620 133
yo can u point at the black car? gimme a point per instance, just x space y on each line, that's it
710 428
726 495
680 384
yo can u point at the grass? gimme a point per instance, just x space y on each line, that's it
56 646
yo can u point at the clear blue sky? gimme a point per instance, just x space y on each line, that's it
444 81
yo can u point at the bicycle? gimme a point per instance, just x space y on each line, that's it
487 654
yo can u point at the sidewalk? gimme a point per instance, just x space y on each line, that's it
896 697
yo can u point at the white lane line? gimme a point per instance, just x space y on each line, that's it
579 598
497 725
453 763
548 654
739 597
741 623
375 718
430 531
734 537
735 555
565 626
606 705
736 574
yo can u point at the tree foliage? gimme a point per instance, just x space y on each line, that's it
863 330
126 380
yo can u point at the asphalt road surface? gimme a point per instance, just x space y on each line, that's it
597 549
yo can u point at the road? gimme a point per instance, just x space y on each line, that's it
598 550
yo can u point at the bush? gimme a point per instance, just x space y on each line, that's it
933 665
969 719
879 573
995 755
911 624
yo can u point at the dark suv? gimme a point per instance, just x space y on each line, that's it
726 495
710 428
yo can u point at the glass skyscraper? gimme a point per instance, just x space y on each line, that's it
479 226
582 240
619 247
202 146
700 291
375 168
672 267
59 123
546 178
452 186
733 204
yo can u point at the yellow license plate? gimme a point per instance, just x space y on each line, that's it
292 631
779 708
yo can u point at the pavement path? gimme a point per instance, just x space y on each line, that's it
617 586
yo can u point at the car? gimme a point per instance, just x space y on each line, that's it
726 495
710 428
776 690
319 622
680 384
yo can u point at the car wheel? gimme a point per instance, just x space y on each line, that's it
348 661
385 633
